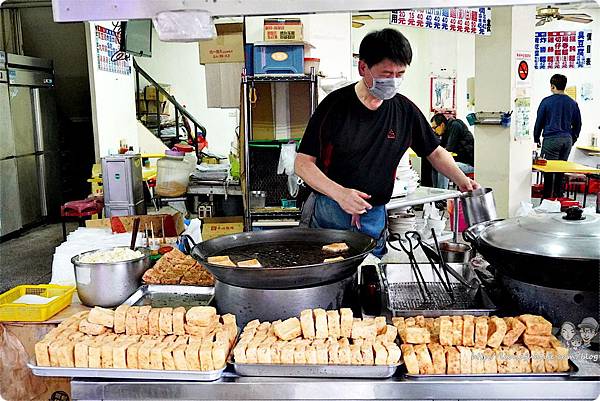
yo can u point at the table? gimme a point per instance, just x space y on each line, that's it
589 148
424 195
561 166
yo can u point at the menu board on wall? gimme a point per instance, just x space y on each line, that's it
468 20
563 49
107 45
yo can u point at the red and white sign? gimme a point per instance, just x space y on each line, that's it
523 66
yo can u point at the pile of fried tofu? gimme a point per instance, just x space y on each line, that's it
480 345
142 337
175 267
319 337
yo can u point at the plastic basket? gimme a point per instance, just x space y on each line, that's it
10 311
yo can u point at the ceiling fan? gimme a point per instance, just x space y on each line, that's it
551 13
356 20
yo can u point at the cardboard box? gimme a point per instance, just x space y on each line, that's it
227 47
213 227
150 92
277 29
121 224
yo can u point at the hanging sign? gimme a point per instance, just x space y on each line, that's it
563 49
467 20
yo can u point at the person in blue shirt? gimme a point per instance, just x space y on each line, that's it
559 122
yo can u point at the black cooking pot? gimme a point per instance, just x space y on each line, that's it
552 250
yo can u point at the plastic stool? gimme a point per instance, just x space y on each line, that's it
80 209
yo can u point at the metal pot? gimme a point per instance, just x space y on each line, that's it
478 206
455 252
109 284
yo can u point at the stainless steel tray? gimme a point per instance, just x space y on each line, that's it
339 371
160 296
496 376
189 375
401 295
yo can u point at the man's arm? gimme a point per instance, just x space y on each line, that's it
576 124
540 122
350 200
443 162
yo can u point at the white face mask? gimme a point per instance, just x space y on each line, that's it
385 88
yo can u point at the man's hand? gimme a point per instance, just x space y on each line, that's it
468 185
352 201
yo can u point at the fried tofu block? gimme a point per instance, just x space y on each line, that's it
264 327
334 357
144 354
42 357
167 355
490 365
120 353
154 322
107 354
200 331
300 353
536 325
66 357
192 356
94 355
92 329
252 352
393 353
103 316
438 358
481 331
333 260
322 354
457 330
249 263
221 261
430 324
119 320
179 357
288 329
540 341
398 322
420 321
336 247
496 331
346 320
468 334
206 359
356 355
179 321
453 360
132 356
380 324
424 359
562 354
333 323
276 351
466 357
410 321
201 316
477 361
503 359
307 324
390 333
524 359
538 359
165 321
131 320
551 361
515 328
416 335
410 359
142 323
311 355
239 352
446 335
321 325
381 354
345 353
219 354
156 356
287 353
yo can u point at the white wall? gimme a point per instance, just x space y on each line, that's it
113 101
434 52
178 64
576 76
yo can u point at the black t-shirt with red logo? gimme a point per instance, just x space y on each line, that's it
360 148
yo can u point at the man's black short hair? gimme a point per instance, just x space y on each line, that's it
387 43
438 119
559 81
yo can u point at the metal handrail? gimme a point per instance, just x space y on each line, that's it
179 109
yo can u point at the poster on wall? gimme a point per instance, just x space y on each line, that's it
522 64
442 95
587 91
107 45
563 49
521 117
467 20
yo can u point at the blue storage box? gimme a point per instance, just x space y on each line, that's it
278 58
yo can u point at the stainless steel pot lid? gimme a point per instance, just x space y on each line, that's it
547 235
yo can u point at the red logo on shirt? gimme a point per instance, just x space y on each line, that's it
391 134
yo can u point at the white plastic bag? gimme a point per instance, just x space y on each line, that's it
194 230
548 206
287 157
525 209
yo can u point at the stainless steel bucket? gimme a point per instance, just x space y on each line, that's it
478 206
455 252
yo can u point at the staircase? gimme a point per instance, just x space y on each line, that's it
184 128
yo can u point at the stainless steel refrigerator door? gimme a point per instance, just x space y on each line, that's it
46 119
7 139
29 191
21 109
10 213
50 183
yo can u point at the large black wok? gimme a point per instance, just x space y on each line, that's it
295 252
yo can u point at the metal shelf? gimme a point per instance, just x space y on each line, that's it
280 78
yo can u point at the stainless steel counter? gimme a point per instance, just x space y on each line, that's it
583 385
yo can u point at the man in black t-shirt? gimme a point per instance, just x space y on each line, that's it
455 137
356 137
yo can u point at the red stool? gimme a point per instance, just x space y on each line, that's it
80 209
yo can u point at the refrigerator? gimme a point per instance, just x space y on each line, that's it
29 143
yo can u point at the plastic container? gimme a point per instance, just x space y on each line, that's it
173 174
188 154
311 62
257 199
278 58
10 311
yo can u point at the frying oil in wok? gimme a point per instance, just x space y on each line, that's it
286 254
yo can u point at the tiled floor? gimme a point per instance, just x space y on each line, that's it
28 259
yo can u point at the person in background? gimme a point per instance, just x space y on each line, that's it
356 137
455 137
559 122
